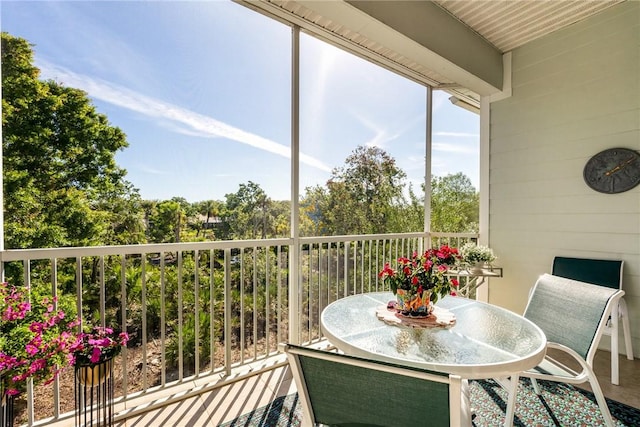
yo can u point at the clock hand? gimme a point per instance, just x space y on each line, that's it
612 171
620 166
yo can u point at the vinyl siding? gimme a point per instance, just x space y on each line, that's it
574 93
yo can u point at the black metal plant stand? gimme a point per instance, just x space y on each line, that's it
94 394
6 408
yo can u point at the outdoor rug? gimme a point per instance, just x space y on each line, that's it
559 405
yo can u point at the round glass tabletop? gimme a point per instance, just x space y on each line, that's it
486 341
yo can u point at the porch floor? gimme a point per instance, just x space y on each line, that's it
224 404
220 405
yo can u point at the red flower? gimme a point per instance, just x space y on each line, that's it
422 273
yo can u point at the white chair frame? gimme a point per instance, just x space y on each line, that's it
553 370
619 313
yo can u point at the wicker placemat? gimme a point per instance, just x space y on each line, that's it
438 318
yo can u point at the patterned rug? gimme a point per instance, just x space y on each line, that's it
559 405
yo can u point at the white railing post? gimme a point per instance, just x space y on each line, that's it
79 289
196 308
180 321
227 311
212 310
54 294
123 310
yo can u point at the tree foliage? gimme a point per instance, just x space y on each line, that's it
62 186
363 194
248 212
313 208
454 204
59 163
165 222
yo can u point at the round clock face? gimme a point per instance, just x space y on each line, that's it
613 171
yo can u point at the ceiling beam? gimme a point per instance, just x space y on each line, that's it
425 33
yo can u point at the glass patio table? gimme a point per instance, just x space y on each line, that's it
486 341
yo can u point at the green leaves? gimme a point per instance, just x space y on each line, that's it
59 162
455 204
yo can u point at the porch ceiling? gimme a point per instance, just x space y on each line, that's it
456 45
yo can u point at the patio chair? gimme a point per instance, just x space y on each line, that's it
604 273
340 390
572 315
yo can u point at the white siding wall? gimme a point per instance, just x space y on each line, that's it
575 92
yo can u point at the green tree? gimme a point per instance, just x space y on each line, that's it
454 204
280 218
313 208
123 215
206 211
166 220
365 194
247 212
411 215
59 163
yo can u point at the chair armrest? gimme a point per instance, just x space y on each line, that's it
568 351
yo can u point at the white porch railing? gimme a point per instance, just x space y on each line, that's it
197 311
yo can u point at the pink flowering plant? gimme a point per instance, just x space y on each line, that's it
424 272
36 337
98 345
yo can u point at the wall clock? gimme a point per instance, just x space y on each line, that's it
613 170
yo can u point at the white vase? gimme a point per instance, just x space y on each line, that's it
477 268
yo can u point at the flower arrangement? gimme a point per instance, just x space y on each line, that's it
476 254
36 338
98 345
424 272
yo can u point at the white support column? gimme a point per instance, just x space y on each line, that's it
485 115
427 166
482 293
485 158
294 249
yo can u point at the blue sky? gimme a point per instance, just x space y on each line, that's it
202 91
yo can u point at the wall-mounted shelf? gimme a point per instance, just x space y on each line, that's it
473 279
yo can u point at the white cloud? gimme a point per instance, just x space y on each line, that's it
182 130
197 123
457 134
446 147
381 136
153 171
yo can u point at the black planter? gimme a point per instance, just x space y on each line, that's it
94 393
6 407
